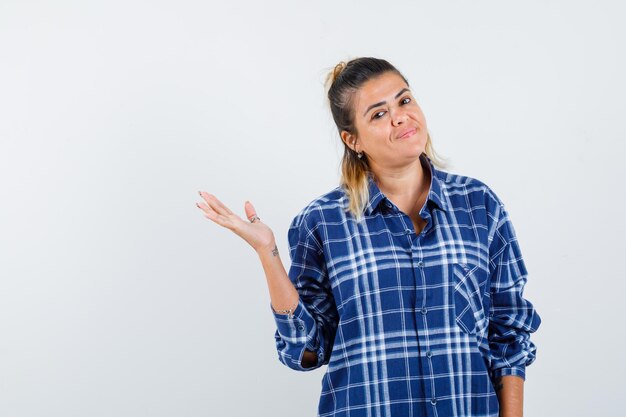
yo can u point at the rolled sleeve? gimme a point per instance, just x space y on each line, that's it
512 318
313 323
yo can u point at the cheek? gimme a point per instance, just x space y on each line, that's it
372 130
420 115
380 132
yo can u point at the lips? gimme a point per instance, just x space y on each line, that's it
406 133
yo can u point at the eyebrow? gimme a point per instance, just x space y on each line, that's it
383 102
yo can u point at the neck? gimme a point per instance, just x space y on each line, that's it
406 184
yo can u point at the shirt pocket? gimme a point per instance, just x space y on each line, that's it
471 299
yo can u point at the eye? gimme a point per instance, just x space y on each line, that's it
406 100
376 115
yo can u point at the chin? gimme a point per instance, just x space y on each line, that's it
419 148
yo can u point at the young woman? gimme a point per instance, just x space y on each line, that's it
406 280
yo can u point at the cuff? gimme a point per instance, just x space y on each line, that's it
295 334
288 323
513 370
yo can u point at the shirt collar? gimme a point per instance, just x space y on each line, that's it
376 196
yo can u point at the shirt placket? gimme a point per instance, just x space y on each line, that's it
413 244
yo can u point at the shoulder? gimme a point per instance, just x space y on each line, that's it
465 190
321 209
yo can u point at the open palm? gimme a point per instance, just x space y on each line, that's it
257 234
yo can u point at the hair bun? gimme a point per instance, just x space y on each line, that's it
334 73
338 69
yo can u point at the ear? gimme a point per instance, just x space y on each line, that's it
349 139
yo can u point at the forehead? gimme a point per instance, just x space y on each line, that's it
382 88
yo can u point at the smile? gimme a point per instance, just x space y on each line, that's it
407 134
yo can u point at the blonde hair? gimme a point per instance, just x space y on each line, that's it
342 82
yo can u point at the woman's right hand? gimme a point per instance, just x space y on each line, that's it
257 234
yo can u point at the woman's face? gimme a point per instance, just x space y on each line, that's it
390 126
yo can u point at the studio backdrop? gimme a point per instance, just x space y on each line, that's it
118 298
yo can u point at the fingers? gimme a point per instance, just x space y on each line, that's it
212 211
216 211
250 210
215 204
211 214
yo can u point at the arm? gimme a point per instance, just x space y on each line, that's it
298 331
512 318
282 291
304 339
510 392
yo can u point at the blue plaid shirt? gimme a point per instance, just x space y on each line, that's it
409 324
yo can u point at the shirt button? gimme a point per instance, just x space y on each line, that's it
429 354
408 231
388 204
300 327
433 401
420 264
424 310
321 355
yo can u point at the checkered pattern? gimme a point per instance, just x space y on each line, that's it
409 324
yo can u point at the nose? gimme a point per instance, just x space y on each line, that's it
398 117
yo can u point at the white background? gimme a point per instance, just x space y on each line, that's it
118 298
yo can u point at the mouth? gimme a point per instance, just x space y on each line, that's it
407 133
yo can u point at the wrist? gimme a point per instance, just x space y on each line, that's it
289 311
269 249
